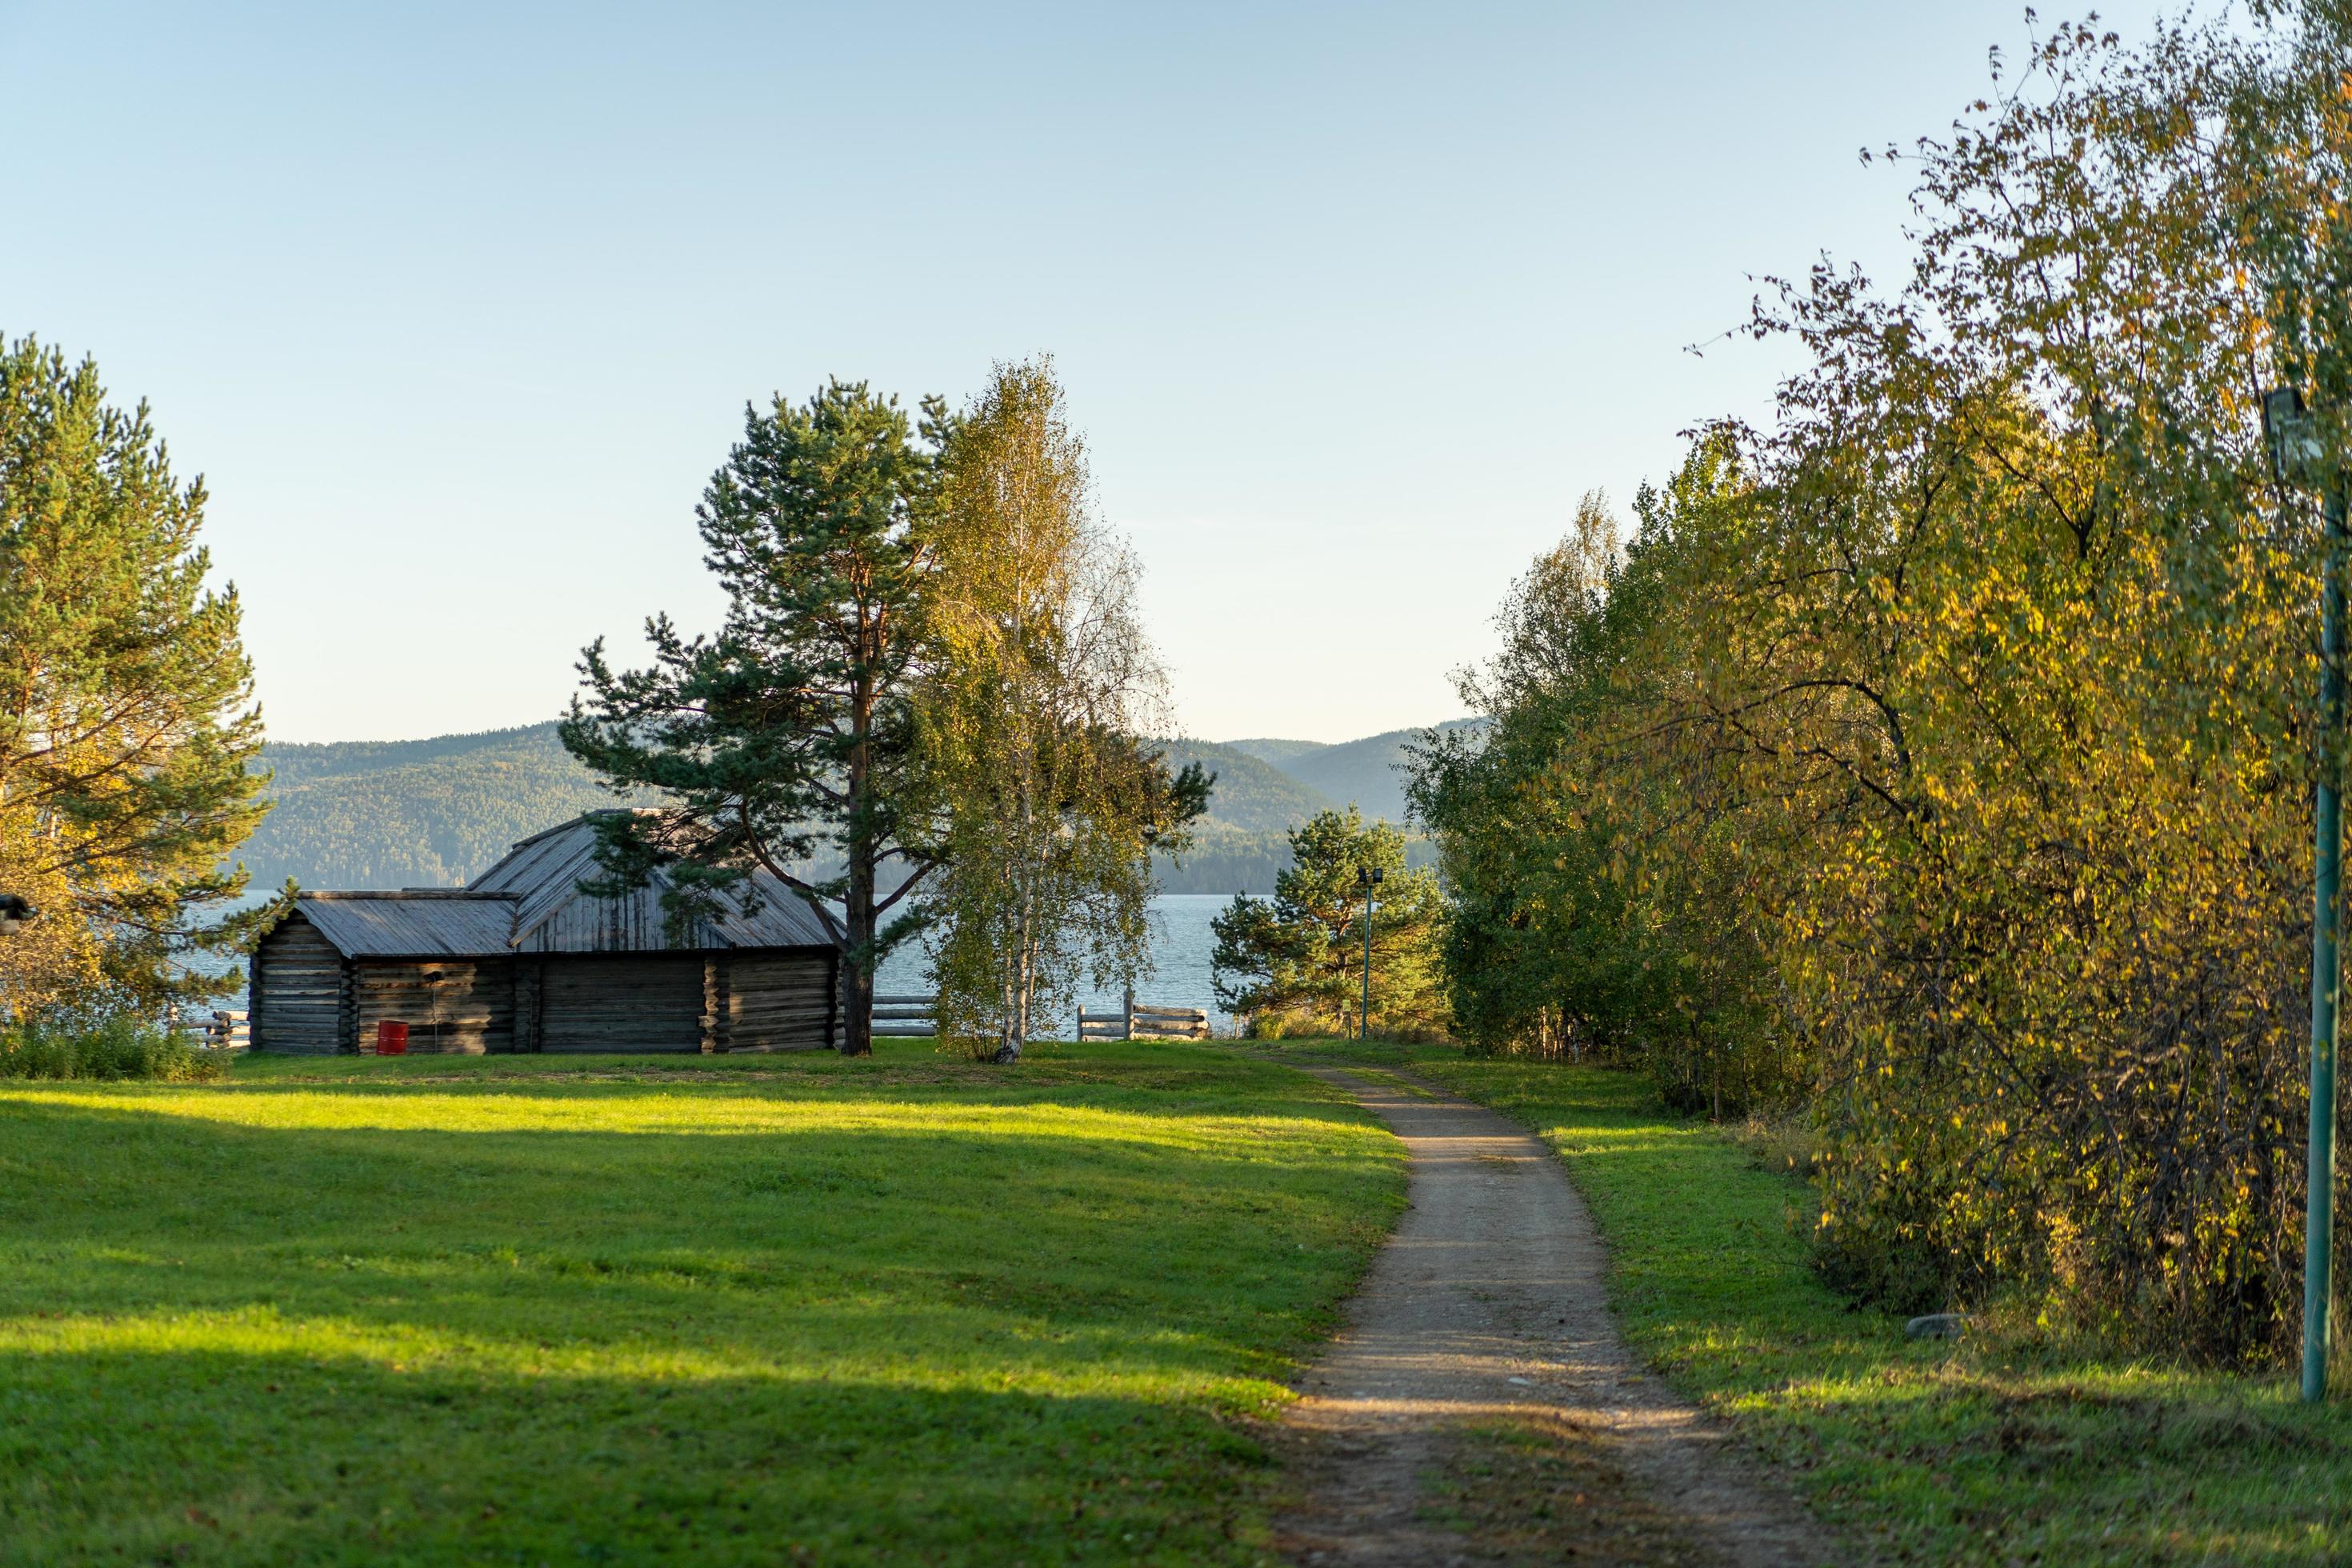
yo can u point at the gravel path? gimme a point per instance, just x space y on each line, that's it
1479 1406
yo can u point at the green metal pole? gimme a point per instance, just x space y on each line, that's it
1365 1032
2319 1221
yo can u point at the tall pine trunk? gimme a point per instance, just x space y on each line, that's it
857 897
857 961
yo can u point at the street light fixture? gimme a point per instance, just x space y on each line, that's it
1367 882
2296 452
2297 458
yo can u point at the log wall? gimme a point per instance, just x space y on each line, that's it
299 991
773 1001
609 1002
308 997
529 986
463 1006
714 1001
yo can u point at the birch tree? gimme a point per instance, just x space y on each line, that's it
1943 755
1049 802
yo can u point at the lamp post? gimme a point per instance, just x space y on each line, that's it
16 911
1367 882
2296 459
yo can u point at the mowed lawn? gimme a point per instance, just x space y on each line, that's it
741 1309
2004 1448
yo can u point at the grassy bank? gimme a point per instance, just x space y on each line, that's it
1995 1450
582 1311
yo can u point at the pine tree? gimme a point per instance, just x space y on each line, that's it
1294 964
790 727
127 726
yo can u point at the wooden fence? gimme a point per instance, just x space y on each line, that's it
917 1017
225 1028
912 1018
1141 1021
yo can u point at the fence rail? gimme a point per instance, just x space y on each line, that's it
904 1017
222 1029
1142 1021
898 1015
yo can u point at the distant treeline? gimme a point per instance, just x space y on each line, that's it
433 813
416 814
1224 861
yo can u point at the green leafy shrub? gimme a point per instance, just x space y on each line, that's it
120 1047
1939 758
1294 963
1605 905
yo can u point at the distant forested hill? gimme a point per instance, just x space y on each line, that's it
412 814
1223 860
1251 795
1226 860
1368 771
1281 754
433 813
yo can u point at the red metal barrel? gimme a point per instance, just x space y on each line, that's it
390 1038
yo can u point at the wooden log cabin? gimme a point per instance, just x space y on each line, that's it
522 960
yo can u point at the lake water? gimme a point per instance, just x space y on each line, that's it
1180 945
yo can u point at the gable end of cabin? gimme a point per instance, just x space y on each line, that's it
301 999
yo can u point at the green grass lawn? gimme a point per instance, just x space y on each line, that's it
1994 1451
745 1310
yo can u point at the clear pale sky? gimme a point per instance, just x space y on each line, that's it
457 307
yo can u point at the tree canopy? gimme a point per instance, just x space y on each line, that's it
1939 757
793 723
1041 683
1294 963
127 724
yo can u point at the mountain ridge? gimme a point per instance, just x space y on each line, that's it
1369 771
434 811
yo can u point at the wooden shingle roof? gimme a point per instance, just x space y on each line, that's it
439 924
543 873
531 901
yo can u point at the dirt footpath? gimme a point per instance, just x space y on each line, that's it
1479 1406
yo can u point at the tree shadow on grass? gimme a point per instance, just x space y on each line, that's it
951 1342
220 1457
914 1212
